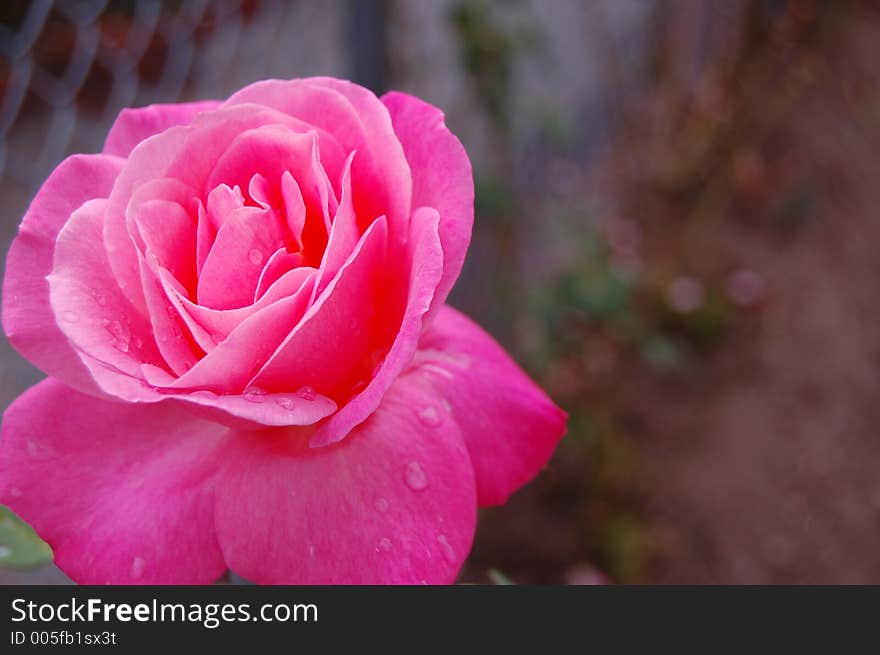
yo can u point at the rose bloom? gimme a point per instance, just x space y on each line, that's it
240 306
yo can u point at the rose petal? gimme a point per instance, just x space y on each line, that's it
133 125
510 426
230 366
272 153
358 121
281 263
94 313
393 504
232 269
425 267
221 201
122 492
441 178
294 207
186 154
28 319
256 409
335 335
169 233
344 234
220 323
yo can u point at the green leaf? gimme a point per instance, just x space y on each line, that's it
20 547
498 578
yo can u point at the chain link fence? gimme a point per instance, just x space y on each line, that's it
68 67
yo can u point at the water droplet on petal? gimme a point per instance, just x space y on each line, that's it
255 395
100 298
311 551
415 477
137 567
256 257
70 317
429 416
381 504
4 552
284 403
120 335
33 448
306 393
15 492
385 544
174 319
446 548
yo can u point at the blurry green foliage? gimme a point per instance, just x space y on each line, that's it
498 578
20 547
661 352
493 197
487 54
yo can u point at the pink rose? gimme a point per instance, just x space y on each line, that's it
240 306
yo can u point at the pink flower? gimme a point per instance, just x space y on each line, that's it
240 307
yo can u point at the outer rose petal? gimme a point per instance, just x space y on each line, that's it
28 319
123 493
509 424
133 125
95 314
393 503
442 178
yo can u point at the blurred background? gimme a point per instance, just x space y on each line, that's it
676 234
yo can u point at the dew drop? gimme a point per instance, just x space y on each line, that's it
4 552
385 544
306 393
255 395
33 448
137 568
100 298
381 505
70 317
15 492
120 335
174 318
446 548
311 551
415 477
138 343
429 416
256 257
284 403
